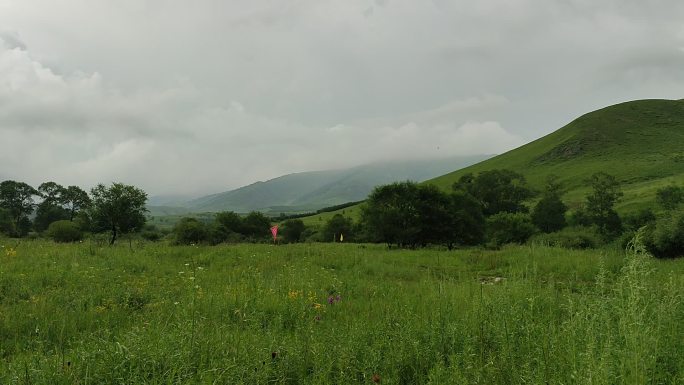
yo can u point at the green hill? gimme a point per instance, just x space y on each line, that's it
309 191
639 142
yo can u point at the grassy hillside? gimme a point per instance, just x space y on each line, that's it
308 191
640 142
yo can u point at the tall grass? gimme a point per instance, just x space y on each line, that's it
258 314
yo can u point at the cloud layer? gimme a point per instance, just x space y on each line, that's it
193 99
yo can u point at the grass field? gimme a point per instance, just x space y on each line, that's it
336 314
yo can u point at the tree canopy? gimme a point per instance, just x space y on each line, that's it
118 208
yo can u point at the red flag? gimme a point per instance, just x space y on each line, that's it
274 232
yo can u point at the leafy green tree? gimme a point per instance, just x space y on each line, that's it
118 208
48 213
497 190
665 237
549 213
7 226
74 200
256 226
670 197
230 221
467 223
292 230
190 231
17 198
390 214
601 202
336 226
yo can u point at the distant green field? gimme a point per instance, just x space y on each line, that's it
336 314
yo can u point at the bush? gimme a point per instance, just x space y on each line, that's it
64 231
190 230
569 238
292 230
665 238
151 233
505 228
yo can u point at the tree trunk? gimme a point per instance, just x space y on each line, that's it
113 234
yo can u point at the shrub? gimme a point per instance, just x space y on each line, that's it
665 238
338 226
151 233
64 231
190 230
639 219
292 230
505 228
569 238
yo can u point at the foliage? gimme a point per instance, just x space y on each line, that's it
496 190
75 200
336 227
231 221
665 237
64 231
151 233
7 226
670 197
118 208
549 213
48 213
390 213
569 238
292 230
639 219
17 198
256 226
503 228
190 231
601 202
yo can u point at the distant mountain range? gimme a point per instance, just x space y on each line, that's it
309 191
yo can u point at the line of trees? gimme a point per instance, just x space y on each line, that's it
66 212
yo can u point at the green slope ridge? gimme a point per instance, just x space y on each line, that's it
639 142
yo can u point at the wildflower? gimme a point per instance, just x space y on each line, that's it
293 294
317 317
10 252
331 300
317 305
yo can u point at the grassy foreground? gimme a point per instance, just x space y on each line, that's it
337 314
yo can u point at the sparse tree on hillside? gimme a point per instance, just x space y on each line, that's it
118 208
601 201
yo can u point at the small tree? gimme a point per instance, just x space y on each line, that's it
256 226
118 208
549 213
190 230
601 201
64 231
505 228
292 230
670 197
74 200
390 214
336 226
497 190
467 223
17 198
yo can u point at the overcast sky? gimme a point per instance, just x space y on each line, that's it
190 97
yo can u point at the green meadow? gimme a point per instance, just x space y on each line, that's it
150 313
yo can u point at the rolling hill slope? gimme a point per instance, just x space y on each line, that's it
309 191
640 142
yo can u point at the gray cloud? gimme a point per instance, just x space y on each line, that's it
180 98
